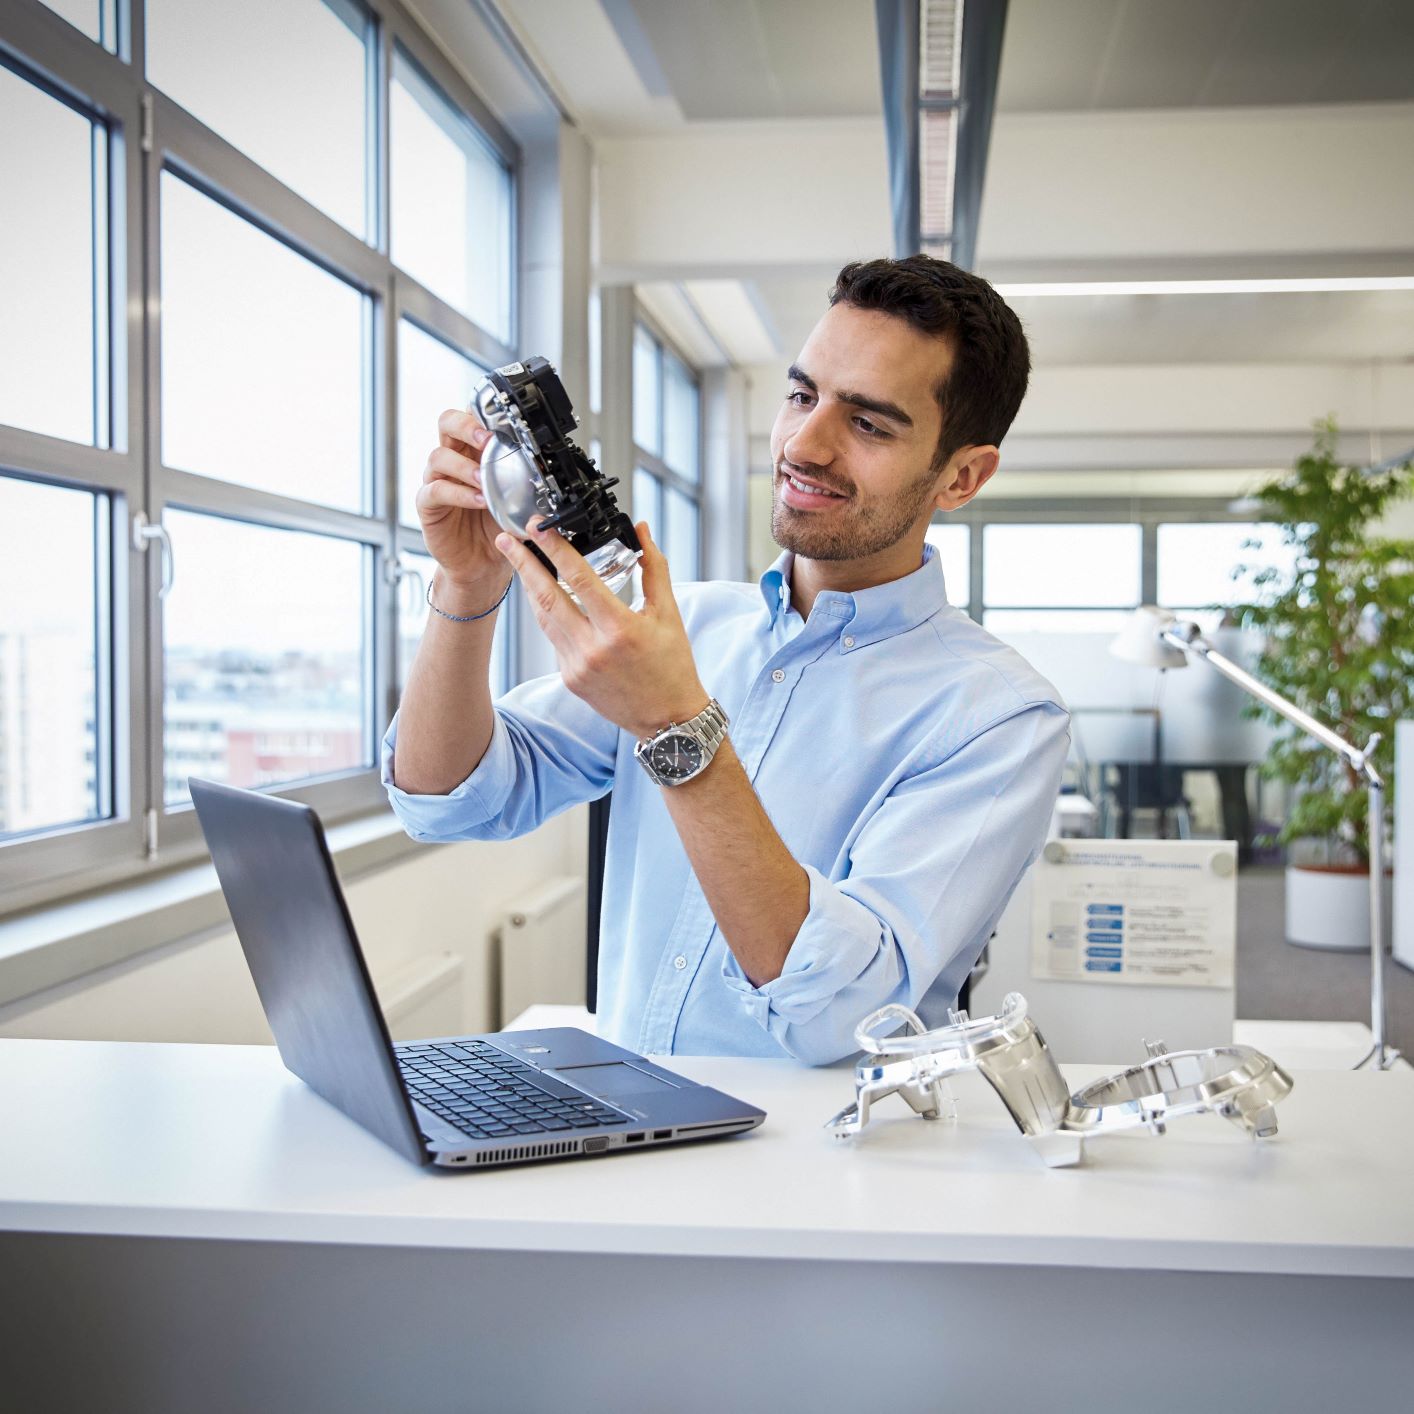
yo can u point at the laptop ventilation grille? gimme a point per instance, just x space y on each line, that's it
528 1151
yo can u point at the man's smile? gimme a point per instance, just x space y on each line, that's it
801 493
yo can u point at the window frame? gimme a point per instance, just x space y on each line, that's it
1148 513
148 133
653 463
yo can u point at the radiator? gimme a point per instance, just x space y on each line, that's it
423 997
541 944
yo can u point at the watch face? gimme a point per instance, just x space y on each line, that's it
675 758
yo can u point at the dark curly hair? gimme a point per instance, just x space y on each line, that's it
991 360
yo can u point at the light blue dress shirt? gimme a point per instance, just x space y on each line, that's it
909 761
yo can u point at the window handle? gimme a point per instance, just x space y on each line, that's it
396 572
144 533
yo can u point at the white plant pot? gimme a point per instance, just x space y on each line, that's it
1327 908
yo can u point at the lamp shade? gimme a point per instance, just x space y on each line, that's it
1141 640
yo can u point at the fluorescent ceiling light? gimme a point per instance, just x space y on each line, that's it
1330 285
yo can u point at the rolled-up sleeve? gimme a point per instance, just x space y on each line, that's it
919 890
548 751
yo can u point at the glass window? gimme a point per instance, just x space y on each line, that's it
1199 563
53 264
1040 566
451 202
98 19
271 684
648 500
432 377
647 392
263 355
680 418
1005 622
954 546
53 704
267 69
681 541
412 619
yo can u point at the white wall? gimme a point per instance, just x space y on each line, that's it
1125 189
445 898
742 198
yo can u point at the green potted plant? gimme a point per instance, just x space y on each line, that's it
1338 641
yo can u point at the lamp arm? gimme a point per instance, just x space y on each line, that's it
1187 637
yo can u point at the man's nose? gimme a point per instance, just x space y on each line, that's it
811 444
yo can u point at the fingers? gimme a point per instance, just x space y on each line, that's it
554 610
441 492
657 582
457 427
600 605
444 462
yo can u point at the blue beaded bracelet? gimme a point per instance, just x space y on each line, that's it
469 618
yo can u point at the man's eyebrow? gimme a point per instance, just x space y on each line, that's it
892 411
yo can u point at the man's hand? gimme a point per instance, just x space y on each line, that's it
458 529
633 668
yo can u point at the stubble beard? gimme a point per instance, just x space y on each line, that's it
863 529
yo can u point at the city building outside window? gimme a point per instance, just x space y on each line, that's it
244 265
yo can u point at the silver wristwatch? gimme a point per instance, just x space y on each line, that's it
683 750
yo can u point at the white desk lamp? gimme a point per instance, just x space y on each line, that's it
1158 639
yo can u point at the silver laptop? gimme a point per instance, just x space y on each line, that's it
454 1101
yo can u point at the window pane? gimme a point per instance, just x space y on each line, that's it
51 697
647 500
954 546
53 292
262 358
1005 622
647 429
1044 565
680 537
680 418
283 80
431 379
451 202
412 619
270 684
1197 562
96 18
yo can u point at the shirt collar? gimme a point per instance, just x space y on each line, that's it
871 614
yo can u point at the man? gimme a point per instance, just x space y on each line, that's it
889 768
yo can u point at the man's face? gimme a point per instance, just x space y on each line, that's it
852 447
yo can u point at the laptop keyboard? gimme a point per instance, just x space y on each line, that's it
486 1094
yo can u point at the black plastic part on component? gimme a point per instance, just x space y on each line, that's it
585 511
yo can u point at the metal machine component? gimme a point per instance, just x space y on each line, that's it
1237 1082
1006 1048
531 468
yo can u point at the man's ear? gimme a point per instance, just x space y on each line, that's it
968 470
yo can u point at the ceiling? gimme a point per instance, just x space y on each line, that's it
735 60
1088 55
663 69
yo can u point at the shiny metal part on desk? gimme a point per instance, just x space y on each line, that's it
1007 1049
1237 1082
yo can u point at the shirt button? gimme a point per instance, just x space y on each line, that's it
679 962
849 643
778 675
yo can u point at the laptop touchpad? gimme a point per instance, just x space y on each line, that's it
611 1080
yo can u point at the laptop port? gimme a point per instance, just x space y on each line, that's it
597 1145
634 1138
662 1133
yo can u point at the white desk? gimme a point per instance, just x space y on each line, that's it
189 1227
